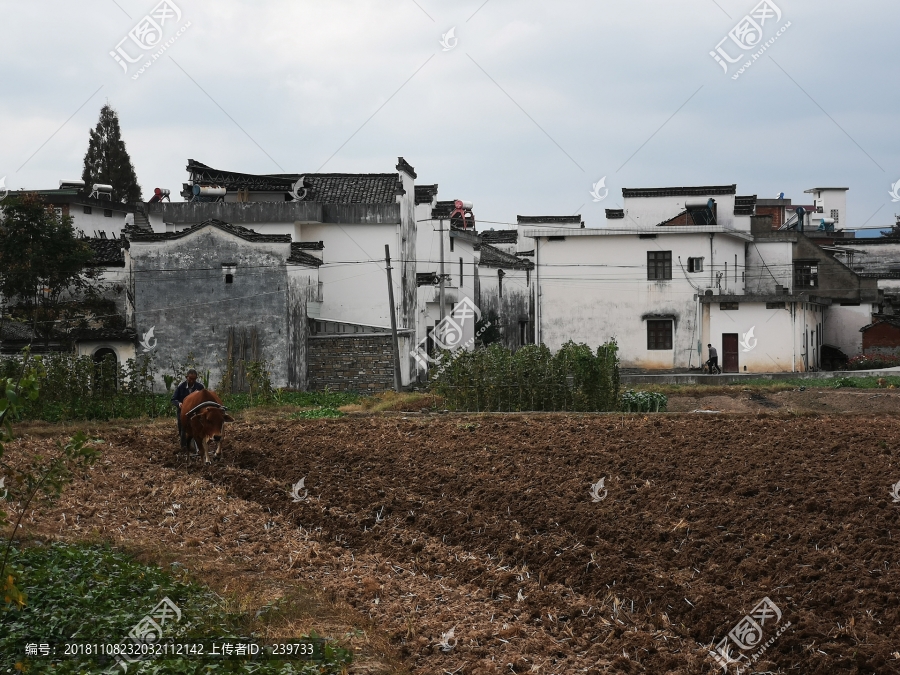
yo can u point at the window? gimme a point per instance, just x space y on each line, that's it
452 239
724 306
500 275
229 278
659 334
836 215
107 213
460 272
659 265
555 238
775 305
87 210
806 273
695 264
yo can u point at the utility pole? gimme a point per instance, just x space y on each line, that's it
441 221
394 340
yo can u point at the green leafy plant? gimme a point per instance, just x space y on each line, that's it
532 378
643 401
41 476
98 593
873 361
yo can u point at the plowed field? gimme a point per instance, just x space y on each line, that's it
484 525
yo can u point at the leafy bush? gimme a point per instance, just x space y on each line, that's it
95 593
76 388
873 361
532 378
840 382
644 401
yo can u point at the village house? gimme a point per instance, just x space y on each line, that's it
100 326
679 268
307 251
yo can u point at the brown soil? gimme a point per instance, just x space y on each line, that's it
489 529
820 401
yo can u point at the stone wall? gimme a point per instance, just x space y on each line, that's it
358 362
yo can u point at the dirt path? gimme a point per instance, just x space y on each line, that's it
485 525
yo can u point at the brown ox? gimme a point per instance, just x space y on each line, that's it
203 419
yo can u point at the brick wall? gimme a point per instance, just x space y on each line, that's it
363 363
774 211
883 338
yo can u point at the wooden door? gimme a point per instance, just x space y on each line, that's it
730 353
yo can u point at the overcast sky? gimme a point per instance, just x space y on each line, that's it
531 103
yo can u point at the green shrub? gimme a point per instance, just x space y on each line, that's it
644 401
532 378
96 593
873 361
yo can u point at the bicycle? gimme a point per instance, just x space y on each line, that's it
711 369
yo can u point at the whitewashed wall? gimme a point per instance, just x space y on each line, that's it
842 324
651 211
777 344
593 286
769 264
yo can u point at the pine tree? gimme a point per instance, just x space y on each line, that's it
106 160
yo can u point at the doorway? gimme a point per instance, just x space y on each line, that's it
730 353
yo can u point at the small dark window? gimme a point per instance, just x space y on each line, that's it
500 275
659 334
556 238
460 272
659 265
806 273
695 264
775 305
87 210
229 278
528 278
646 236
107 213
728 305
452 239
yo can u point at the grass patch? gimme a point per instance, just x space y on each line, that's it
772 386
126 406
392 401
316 413
99 594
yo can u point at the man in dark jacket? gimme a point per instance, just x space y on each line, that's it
189 386
713 358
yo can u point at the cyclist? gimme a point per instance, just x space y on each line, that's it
713 361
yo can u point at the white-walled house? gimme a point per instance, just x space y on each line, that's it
680 268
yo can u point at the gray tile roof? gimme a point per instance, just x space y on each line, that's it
13 330
107 252
325 188
426 193
500 236
745 206
300 257
136 235
697 191
494 257
556 220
